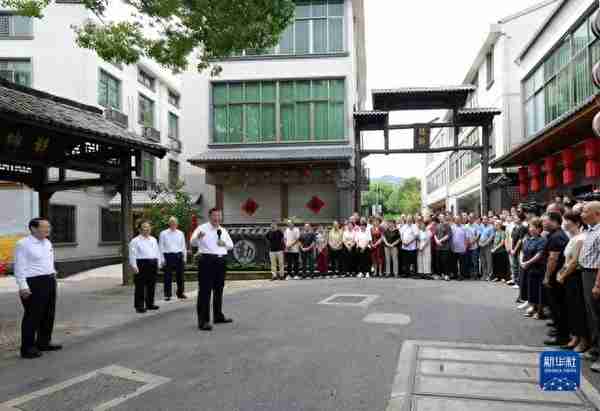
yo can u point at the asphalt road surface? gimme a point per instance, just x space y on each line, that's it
284 352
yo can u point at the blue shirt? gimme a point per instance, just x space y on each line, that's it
487 231
459 238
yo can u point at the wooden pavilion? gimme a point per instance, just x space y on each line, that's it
41 131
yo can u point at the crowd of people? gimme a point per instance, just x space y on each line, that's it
551 256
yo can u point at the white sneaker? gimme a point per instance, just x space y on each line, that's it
296 278
360 275
523 306
530 310
288 277
515 286
367 275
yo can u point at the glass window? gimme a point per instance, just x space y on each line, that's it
148 167
146 79
173 173
302 37
336 34
173 98
173 126
12 25
146 111
109 91
110 222
63 222
17 71
489 64
320 36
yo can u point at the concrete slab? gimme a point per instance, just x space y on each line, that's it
455 404
496 371
484 356
387 318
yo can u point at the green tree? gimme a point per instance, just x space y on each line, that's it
377 194
167 203
405 199
169 31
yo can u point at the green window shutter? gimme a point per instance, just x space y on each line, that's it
320 36
220 93
268 92
286 92
302 37
302 121
320 89
220 128
268 122
102 91
236 123
336 121
252 123
252 93
337 90
336 8
288 123
235 93
321 117
302 90
336 34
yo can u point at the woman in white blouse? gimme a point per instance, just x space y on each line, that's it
424 250
349 250
145 259
363 247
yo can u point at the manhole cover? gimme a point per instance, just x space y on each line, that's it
467 377
356 300
99 390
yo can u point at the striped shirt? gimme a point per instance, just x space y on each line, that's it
589 257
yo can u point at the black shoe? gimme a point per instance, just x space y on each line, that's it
552 333
50 347
223 320
551 324
557 341
167 298
153 307
140 310
182 296
205 327
31 353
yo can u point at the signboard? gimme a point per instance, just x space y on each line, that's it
422 138
244 252
560 371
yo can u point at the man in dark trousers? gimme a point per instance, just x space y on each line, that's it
36 278
213 242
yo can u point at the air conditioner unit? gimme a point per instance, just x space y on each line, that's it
116 117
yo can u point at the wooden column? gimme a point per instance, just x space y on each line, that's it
43 197
485 164
357 170
285 201
126 213
219 196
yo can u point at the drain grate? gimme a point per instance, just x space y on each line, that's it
350 300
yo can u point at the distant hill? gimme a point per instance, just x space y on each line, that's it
389 179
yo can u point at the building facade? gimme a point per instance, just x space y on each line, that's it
452 181
272 134
559 155
143 98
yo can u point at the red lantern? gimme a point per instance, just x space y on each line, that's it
306 172
568 159
523 182
249 206
592 166
549 167
315 204
536 171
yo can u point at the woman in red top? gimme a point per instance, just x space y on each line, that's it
377 248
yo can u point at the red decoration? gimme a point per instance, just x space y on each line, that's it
592 165
315 205
549 168
523 182
536 171
250 206
306 172
568 159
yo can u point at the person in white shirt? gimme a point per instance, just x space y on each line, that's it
213 242
145 259
363 247
410 235
174 250
291 238
35 276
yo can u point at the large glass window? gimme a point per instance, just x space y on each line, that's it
308 110
110 223
318 28
146 111
173 126
563 79
16 71
12 25
63 221
109 91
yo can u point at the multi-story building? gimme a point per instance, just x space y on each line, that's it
559 154
272 135
143 98
452 181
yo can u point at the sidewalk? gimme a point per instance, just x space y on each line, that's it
92 301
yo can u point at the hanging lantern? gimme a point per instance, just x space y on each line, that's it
592 165
523 182
568 159
536 171
549 168
306 172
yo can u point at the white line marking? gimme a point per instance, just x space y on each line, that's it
367 300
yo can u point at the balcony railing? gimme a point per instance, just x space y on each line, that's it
151 134
116 117
365 178
140 184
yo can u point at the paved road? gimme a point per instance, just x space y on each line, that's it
284 351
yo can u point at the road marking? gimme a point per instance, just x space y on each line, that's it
387 318
148 382
467 377
350 300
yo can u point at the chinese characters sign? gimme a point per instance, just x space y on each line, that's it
422 138
560 371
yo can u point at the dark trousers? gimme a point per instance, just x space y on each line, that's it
364 261
308 263
409 262
291 260
39 309
474 262
443 257
174 263
555 295
211 281
453 264
349 261
576 313
463 264
592 306
335 258
145 283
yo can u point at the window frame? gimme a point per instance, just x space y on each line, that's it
279 103
119 82
490 67
74 215
141 121
176 117
20 60
148 158
102 224
173 184
11 33
146 79
174 98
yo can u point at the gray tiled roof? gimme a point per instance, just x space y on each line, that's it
274 154
479 110
426 90
27 104
374 113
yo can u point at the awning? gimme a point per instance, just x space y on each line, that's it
421 98
371 120
568 130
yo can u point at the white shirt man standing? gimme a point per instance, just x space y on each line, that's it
174 250
291 238
213 242
145 259
35 276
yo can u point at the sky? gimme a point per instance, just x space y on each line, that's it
423 43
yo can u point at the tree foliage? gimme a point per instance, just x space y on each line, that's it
169 203
395 199
169 31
